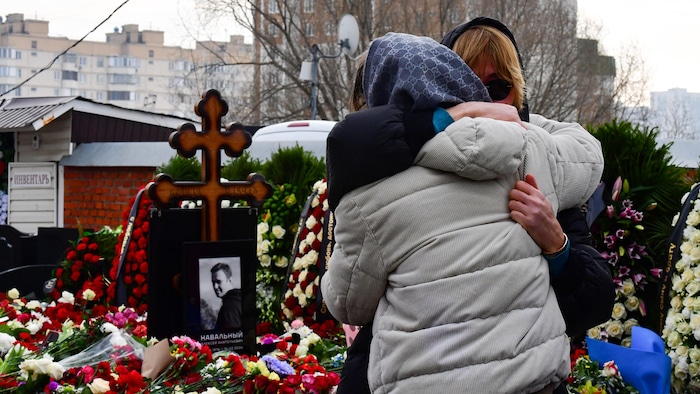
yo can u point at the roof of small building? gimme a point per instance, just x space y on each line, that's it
119 154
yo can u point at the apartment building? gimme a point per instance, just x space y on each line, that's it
132 68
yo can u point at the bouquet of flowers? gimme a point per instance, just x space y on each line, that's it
619 235
587 377
84 270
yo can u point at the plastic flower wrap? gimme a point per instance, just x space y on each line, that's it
619 235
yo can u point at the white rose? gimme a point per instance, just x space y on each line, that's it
6 342
297 291
287 313
302 275
325 205
682 351
693 219
211 390
695 253
619 311
675 220
695 236
310 238
594 332
13 294
686 246
298 264
265 260
263 227
302 351
265 246
34 326
278 231
695 321
684 328
632 303
116 340
42 366
281 261
311 222
615 329
692 287
629 324
302 300
315 201
693 369
687 276
98 386
225 203
674 339
33 304
309 292
626 342
676 302
694 354
627 287
109 328
67 298
88 295
313 338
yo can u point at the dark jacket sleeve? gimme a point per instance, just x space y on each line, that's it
373 144
585 290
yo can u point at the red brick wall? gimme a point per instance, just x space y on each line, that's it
97 196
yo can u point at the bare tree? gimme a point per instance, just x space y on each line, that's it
672 114
567 78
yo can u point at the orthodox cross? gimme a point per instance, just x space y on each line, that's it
187 140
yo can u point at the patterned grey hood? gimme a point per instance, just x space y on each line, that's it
418 73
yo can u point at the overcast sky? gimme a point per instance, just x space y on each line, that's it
665 31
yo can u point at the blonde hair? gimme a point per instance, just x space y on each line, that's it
358 100
481 42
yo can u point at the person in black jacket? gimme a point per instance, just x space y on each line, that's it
382 141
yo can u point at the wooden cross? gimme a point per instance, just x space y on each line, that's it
187 140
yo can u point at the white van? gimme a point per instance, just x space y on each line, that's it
309 134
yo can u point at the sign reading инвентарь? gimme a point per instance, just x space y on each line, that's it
31 179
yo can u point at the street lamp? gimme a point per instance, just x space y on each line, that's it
349 36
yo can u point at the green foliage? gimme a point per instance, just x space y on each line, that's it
239 168
295 166
632 153
182 169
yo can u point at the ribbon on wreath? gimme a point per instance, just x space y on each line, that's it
120 296
644 364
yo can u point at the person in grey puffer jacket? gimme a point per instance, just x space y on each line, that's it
457 300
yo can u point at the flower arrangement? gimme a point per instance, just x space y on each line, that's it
587 377
135 262
101 350
303 282
619 236
83 271
276 229
681 330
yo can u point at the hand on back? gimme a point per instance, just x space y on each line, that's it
531 209
478 109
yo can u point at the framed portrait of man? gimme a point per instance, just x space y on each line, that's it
220 293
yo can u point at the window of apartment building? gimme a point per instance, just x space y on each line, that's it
33 53
100 79
56 92
308 6
69 75
6 52
100 62
150 79
82 78
83 61
100 96
123 61
18 54
33 89
70 58
329 28
272 30
57 75
150 53
120 95
34 44
273 7
6 71
122 79
309 30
